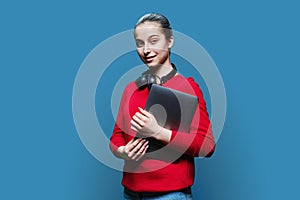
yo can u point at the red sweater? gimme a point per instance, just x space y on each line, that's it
154 175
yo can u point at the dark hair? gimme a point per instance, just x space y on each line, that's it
159 18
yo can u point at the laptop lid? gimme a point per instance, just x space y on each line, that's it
171 108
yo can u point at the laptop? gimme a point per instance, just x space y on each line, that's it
172 109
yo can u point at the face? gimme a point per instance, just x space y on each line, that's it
152 45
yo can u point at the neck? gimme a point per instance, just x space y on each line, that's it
162 70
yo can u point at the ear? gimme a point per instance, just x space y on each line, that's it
171 41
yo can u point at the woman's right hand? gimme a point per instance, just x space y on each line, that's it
135 149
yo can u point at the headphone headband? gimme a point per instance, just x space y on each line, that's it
147 79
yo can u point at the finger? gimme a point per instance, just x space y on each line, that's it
143 153
134 129
142 150
126 148
130 146
144 112
139 145
134 150
135 147
131 141
134 124
139 149
138 120
141 116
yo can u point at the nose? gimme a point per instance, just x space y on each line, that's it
146 49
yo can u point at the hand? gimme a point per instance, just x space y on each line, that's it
135 149
145 124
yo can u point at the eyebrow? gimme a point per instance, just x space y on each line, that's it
153 36
137 39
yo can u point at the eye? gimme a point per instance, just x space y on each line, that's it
139 43
154 40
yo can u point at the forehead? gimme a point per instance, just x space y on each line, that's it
147 29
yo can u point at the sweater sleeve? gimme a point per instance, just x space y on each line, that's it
117 138
199 142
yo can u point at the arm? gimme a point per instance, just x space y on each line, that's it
132 150
198 142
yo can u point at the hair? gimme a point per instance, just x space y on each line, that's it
160 19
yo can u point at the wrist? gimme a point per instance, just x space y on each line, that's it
164 135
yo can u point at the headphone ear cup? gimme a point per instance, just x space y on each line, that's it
151 79
146 80
142 81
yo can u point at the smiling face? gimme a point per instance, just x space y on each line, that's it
152 45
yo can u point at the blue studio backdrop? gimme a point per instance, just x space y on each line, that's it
255 45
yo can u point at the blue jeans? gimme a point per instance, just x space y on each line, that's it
169 196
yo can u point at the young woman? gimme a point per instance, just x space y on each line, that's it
158 176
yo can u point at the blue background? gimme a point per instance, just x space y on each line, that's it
255 45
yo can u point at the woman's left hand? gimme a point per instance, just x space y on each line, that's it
145 124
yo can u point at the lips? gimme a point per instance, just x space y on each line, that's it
149 58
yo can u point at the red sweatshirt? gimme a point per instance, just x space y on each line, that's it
152 174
